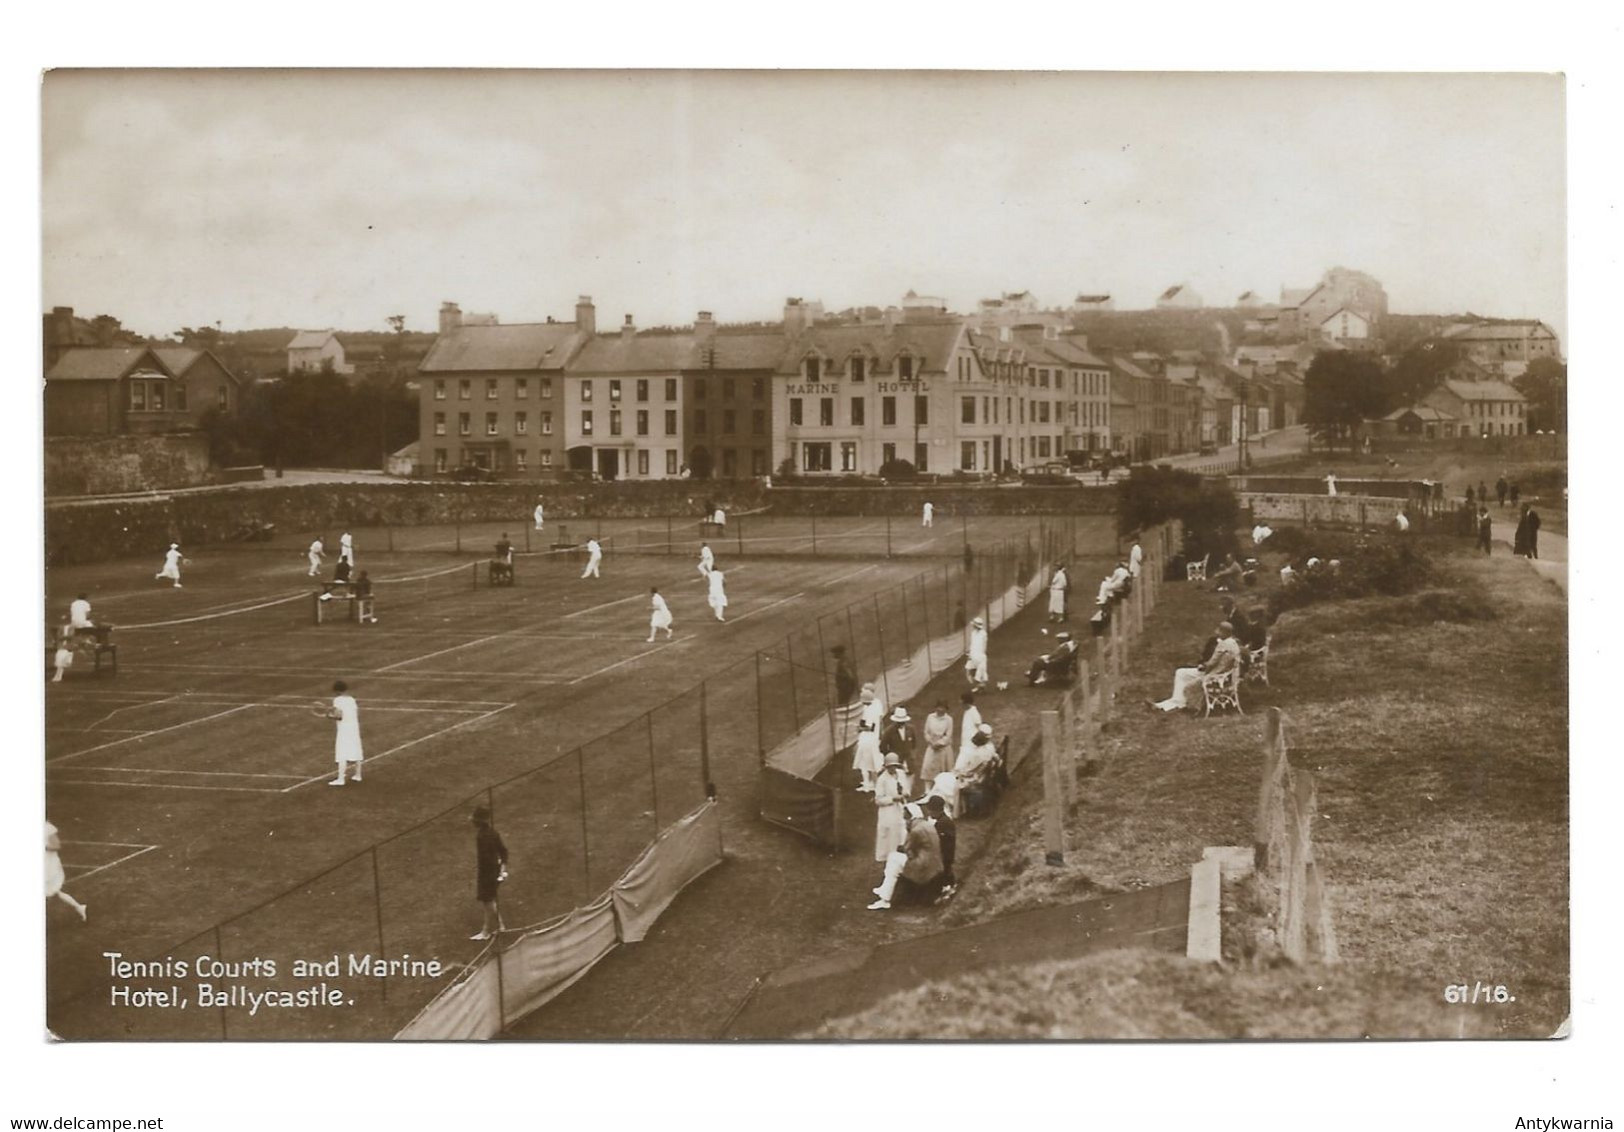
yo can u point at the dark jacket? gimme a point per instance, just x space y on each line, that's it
491 854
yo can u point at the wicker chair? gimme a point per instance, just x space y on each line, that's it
1197 571
1257 665
1222 691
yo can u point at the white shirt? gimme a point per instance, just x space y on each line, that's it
345 541
716 584
171 557
1105 592
928 510
1403 522
978 644
593 548
720 518
316 547
1135 558
1058 582
539 513
1261 532
706 558
79 612
659 604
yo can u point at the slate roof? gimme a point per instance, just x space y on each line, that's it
1057 350
1483 390
636 353
310 340
180 359
517 346
103 363
932 342
1498 331
1424 412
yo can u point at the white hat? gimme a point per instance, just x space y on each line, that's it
977 621
174 546
900 715
984 729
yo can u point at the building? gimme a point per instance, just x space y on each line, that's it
317 351
492 396
1303 311
112 391
1349 327
1498 343
1422 421
728 399
1095 302
1180 296
1483 408
1067 390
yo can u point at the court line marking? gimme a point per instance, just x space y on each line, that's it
157 770
764 608
145 734
139 849
223 698
440 652
628 660
403 746
161 785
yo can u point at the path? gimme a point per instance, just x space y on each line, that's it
795 1001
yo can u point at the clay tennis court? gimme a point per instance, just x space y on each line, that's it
190 786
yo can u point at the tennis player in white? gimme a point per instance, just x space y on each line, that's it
594 559
718 595
661 617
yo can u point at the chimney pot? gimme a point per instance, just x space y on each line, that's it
586 315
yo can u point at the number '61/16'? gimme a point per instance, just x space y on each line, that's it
1462 994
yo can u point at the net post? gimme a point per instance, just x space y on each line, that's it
888 534
738 522
377 904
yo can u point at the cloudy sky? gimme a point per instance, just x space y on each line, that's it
337 198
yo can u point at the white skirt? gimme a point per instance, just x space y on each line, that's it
660 620
347 748
867 754
718 602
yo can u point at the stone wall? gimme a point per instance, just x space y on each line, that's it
108 465
97 530
1323 510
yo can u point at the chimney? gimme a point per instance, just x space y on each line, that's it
586 315
58 333
628 328
450 317
704 327
889 317
795 316
1051 332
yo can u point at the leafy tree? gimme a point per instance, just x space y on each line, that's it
1340 390
1209 511
700 463
1419 370
897 470
1545 384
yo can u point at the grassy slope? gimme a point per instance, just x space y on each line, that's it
1443 831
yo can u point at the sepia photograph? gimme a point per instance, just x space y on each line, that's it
804 556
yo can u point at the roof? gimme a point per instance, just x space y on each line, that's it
102 363
636 353
1482 390
1423 412
930 341
517 346
1344 310
1092 299
1128 369
310 339
1056 349
1499 331
746 350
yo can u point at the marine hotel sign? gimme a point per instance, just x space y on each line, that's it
832 388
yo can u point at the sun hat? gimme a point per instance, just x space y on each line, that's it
893 759
901 715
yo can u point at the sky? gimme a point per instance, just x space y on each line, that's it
333 198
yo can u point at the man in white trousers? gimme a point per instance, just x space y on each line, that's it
346 549
927 517
1136 560
975 665
718 595
317 552
540 515
707 560
594 559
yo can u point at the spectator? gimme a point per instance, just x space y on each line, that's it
975 665
365 608
866 757
980 775
490 861
938 743
1530 531
1485 530
913 873
1516 493
901 740
1055 666
845 676
1228 574
947 837
1226 655
890 794
1500 489
1402 521
1136 559
63 659
969 724
1058 585
1261 533
1482 492
1470 498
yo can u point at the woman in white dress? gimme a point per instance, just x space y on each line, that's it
171 568
938 743
55 876
927 516
347 741
1058 585
866 758
661 617
718 595
890 794
969 723
540 515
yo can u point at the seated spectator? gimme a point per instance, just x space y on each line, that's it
1226 655
1228 574
913 873
341 578
947 836
1252 628
366 609
1261 533
1057 665
981 775
1288 576
945 786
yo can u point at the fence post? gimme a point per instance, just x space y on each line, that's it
924 609
653 773
1294 889
1273 752
888 534
586 851
704 741
879 638
761 715
377 904
1054 802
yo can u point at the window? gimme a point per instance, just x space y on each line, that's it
888 410
490 389
614 422
730 462
758 422
586 422
546 459
857 412
670 461
812 368
1043 412
671 422
439 459
758 461
921 456
518 460
586 391
439 424
699 389
439 390
729 422
501 461
967 410
138 396
729 389
758 389
614 389
815 457
984 413
921 410
1043 446
490 424
465 424
546 420
642 389
888 453
521 423
700 423
642 461
180 396
546 391
465 389
670 389
967 455
156 397
905 368
642 422
521 388
857 368
826 411
795 411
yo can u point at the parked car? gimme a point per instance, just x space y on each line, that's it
1052 473
471 473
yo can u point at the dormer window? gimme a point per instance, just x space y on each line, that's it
858 365
812 367
905 367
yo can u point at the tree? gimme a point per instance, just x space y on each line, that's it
1545 384
1209 511
700 463
1418 371
1341 390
